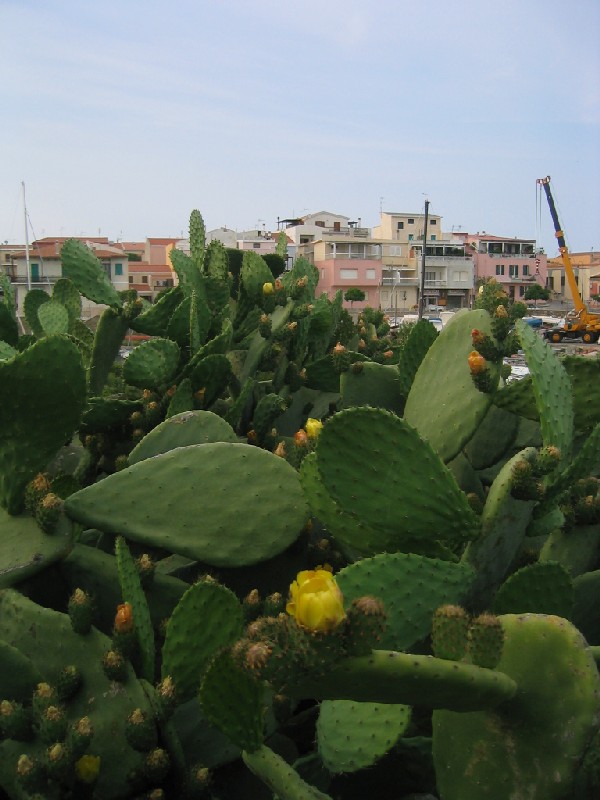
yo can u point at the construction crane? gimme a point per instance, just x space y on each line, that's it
579 322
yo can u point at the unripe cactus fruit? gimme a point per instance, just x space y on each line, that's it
486 639
449 632
30 773
35 491
52 725
115 666
69 682
140 731
548 459
48 512
199 781
167 696
15 721
79 736
44 695
146 567
80 610
156 765
58 761
365 625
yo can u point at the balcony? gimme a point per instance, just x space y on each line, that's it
414 281
360 233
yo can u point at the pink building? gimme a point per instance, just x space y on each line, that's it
515 263
346 255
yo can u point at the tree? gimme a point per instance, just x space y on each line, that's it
354 294
536 292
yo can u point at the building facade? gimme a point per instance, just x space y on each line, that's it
514 263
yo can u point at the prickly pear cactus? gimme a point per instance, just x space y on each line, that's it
42 393
530 747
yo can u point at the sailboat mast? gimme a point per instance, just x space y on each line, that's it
26 240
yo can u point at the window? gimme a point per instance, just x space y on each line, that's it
395 250
144 279
366 295
371 274
433 238
131 279
118 269
499 269
525 270
521 291
349 274
256 245
513 270
429 276
35 272
410 237
433 221
411 221
400 226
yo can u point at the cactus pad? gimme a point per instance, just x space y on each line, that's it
540 588
407 494
152 364
180 430
411 588
352 736
86 272
207 618
531 746
443 404
227 504
42 392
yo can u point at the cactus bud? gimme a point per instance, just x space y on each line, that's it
267 288
115 666
48 512
301 438
140 731
274 604
280 450
547 460
145 567
167 696
252 605
35 491
365 625
199 781
15 721
87 769
52 725
477 363
30 773
58 761
449 633
69 681
486 639
44 695
156 765
79 736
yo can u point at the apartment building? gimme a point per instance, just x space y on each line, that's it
515 263
343 251
45 267
449 271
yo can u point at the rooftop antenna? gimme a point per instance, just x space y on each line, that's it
381 205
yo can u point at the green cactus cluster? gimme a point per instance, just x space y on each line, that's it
438 528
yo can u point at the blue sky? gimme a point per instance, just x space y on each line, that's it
124 116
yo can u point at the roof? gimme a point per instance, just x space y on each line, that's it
52 239
49 251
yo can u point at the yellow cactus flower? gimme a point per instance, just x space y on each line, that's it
268 288
316 601
313 427
87 768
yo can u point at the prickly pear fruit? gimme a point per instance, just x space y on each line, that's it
365 625
80 610
140 731
449 632
486 638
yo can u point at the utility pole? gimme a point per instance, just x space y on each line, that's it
27 267
422 287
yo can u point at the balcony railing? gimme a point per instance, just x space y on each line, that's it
358 232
